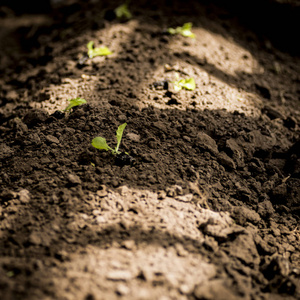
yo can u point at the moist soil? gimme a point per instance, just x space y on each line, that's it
203 202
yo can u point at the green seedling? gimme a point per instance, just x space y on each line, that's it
122 12
188 84
100 142
10 274
75 102
184 30
100 51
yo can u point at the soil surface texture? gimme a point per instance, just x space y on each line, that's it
203 200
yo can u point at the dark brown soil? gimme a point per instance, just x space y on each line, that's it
208 205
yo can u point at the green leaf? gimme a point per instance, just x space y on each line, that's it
122 11
75 102
90 45
100 143
119 134
177 86
184 30
100 51
188 83
10 273
172 31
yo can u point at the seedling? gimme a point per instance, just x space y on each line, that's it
100 142
75 102
184 30
188 84
100 51
10 274
122 12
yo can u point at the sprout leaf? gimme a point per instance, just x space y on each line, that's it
75 102
188 84
119 134
184 30
100 51
122 11
100 143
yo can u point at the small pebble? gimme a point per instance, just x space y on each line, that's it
185 289
161 195
100 219
185 198
96 212
123 190
119 275
102 192
24 196
52 139
35 239
133 137
115 183
74 179
122 290
129 244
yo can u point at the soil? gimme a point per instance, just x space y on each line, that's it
205 204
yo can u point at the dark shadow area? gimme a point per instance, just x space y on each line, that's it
278 21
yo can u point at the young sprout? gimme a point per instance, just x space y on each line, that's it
100 142
188 84
122 12
75 102
100 51
184 30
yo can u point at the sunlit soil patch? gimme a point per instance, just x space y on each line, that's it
206 59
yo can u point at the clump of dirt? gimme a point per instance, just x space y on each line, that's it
204 201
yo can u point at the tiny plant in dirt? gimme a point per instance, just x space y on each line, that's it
122 12
122 158
74 102
10 274
99 51
188 84
184 30
100 142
